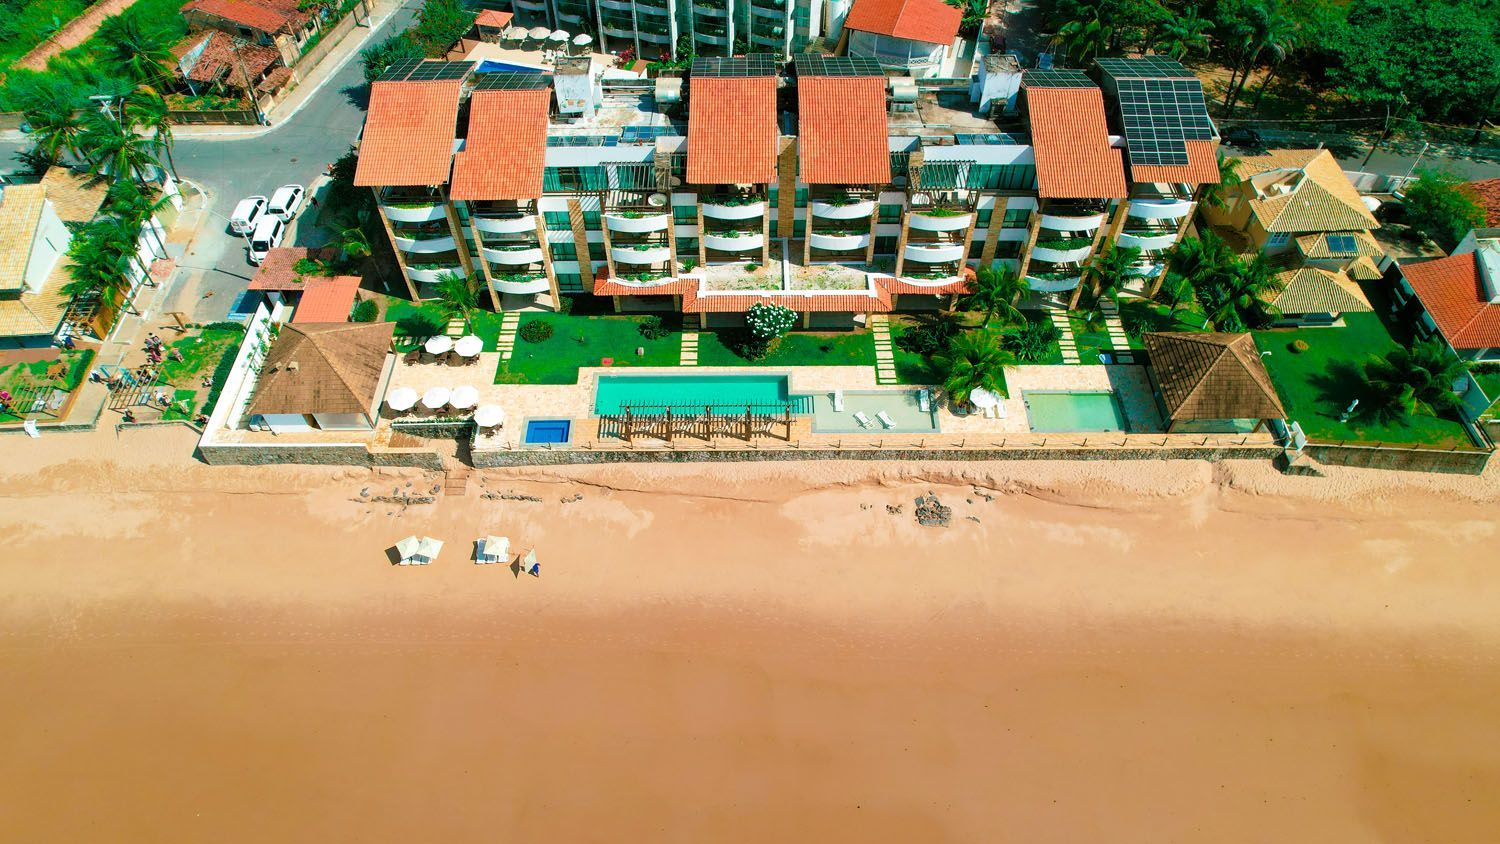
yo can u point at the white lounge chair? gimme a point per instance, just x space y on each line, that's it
862 419
924 401
885 419
838 401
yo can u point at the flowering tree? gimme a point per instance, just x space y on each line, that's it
768 320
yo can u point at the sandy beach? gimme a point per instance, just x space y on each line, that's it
1120 652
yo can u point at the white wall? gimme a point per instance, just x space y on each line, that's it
47 247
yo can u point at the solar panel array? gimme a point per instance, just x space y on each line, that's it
990 139
419 70
511 81
647 134
809 64
754 64
583 140
1145 67
1058 78
1342 244
1160 116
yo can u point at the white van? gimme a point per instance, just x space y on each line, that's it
268 234
247 214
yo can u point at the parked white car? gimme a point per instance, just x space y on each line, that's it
247 214
286 201
267 236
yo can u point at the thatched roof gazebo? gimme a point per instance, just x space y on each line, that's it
1211 377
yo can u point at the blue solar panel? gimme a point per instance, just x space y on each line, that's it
1341 244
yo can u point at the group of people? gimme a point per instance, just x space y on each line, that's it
156 351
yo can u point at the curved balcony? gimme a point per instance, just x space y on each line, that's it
743 243
655 282
506 225
619 33
767 40
654 37
636 225
523 288
935 253
1060 255
839 241
653 254
930 223
1049 284
422 214
537 6
428 276
716 40
564 15
1149 270
1154 240
733 212
930 282
1159 209
709 11
421 245
529 255
851 211
617 5
1083 223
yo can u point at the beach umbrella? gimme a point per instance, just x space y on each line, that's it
982 398
406 549
428 550
401 398
464 397
582 39
539 33
493 549
558 37
438 344
529 562
488 415
436 397
468 346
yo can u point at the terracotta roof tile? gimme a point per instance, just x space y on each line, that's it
494 18
338 368
1071 141
1452 290
506 148
1323 201
928 21
265 15
327 299
1487 191
1202 167
276 273
217 61
853 303
842 130
732 133
409 131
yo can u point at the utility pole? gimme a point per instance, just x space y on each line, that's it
1385 131
234 47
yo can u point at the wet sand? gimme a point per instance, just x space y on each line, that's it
1146 652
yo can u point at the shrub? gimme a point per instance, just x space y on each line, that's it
536 331
749 346
652 329
930 336
1297 346
1486 368
225 325
1031 342
365 311
565 305
769 321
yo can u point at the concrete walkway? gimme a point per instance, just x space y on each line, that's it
689 349
506 345
1065 339
1119 343
885 359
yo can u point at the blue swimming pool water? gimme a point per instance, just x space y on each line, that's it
1051 412
543 431
491 66
724 393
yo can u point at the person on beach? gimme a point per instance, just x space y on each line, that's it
175 354
536 570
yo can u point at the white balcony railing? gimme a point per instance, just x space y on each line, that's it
421 214
743 243
653 254
839 241
934 253
506 225
636 225
422 245
1058 255
733 212
514 257
850 211
1159 209
930 223
523 288
1153 240
1071 223
1049 284
430 275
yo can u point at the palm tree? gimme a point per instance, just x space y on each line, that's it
458 296
146 108
1238 300
354 242
55 129
973 359
1183 34
1417 380
1268 31
140 53
1218 195
1082 39
1201 259
127 200
995 290
1113 269
100 263
116 152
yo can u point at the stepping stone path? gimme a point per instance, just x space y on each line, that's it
689 349
885 359
1065 339
507 342
455 328
1118 342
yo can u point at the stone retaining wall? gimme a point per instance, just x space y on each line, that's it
318 455
1401 459
495 459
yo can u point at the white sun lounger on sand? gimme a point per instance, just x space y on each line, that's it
838 401
493 549
885 419
924 401
862 419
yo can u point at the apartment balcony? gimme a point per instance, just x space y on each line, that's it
571 16
1054 281
709 11
531 5
718 211
729 242
616 5
709 38
429 274
768 40
1069 222
1159 209
1062 250
425 243
859 210
653 7
929 222
838 242
1155 239
770 12
641 253
617 32
506 225
934 253
522 284
413 211
514 255
631 223
654 37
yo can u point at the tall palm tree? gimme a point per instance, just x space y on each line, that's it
1218 195
1112 269
354 242
146 108
1181 35
1269 33
1084 38
1238 301
458 296
128 201
972 360
140 52
99 264
55 129
117 152
1201 259
1407 382
995 291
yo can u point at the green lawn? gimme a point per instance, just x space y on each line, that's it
32 22
201 352
1318 384
16 376
85 73
1154 316
1090 340
427 319
911 368
584 341
843 348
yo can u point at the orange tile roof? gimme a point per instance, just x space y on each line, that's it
493 17
732 133
1071 141
928 21
1202 167
408 138
507 146
327 299
1452 290
844 303
841 130
1487 192
266 15
276 273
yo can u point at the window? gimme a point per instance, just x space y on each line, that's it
982 220
976 249
1277 240
801 197
1002 176
886 245
570 282
1008 249
591 220
1016 218
687 247
890 213
564 252
557 221
799 228
687 214
573 179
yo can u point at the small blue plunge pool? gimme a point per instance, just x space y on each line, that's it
547 431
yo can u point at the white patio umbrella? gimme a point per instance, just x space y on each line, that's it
539 33
558 37
401 398
488 415
406 549
428 550
582 39
468 346
436 397
464 397
493 549
982 398
438 344
514 33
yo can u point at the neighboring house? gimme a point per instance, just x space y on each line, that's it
1313 296
1456 298
277 24
1487 192
33 268
324 376
209 62
657 27
914 37
1211 382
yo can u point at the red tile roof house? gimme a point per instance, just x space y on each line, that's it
1457 298
277 24
914 37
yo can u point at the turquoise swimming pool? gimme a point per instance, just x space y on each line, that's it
1061 412
723 393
